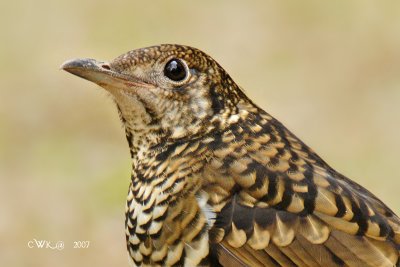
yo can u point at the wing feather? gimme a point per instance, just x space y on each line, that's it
282 205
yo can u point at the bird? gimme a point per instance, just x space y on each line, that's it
218 181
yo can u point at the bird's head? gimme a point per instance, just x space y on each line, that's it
172 91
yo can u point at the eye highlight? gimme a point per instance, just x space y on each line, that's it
175 70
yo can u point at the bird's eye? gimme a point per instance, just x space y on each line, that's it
175 70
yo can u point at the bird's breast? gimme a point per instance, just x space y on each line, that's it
167 221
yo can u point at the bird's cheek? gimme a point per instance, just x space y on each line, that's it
200 107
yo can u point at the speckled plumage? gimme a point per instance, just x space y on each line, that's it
218 181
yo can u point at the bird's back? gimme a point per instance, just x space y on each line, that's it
287 207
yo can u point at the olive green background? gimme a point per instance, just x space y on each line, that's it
330 71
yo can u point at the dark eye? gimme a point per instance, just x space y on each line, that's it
175 70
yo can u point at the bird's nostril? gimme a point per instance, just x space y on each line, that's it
105 67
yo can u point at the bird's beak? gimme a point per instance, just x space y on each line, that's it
89 69
101 73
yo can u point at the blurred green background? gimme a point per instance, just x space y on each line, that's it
330 71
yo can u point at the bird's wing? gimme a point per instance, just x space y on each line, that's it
278 204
